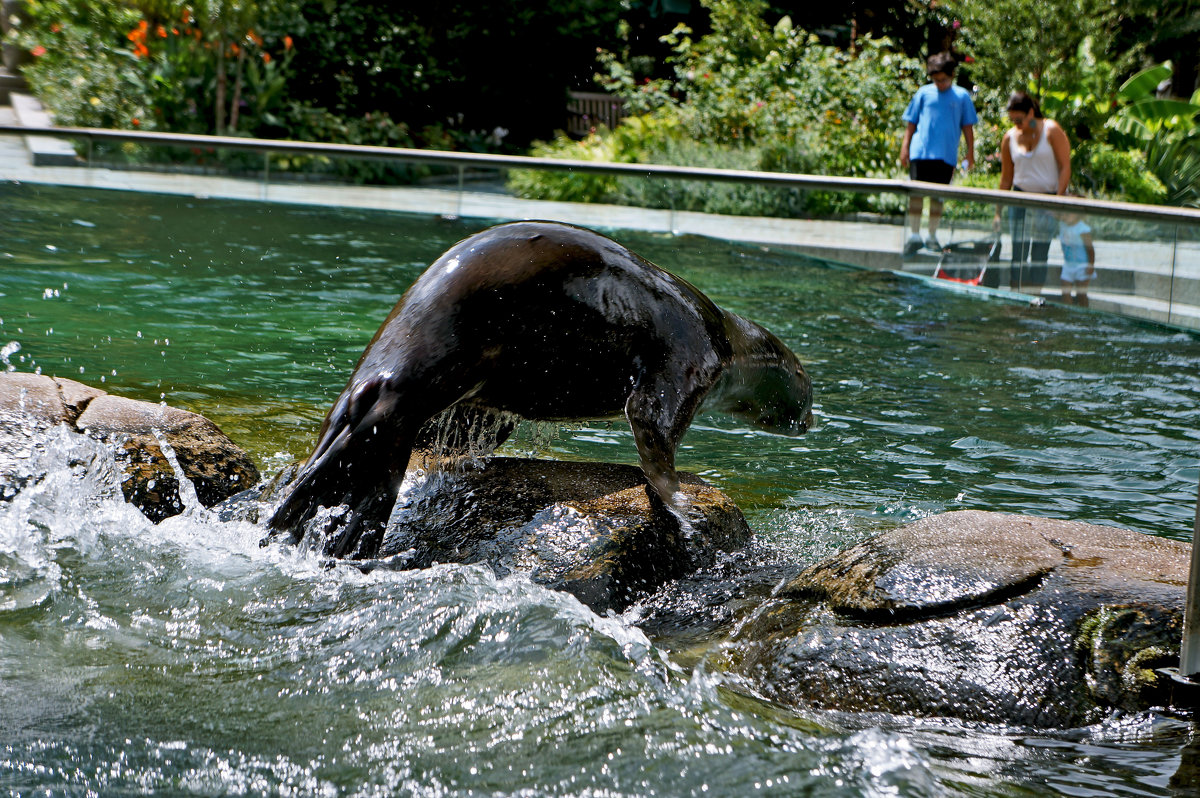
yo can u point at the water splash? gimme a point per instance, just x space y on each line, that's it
187 490
60 477
464 435
6 352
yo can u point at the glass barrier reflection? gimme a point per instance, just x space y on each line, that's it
1132 262
1085 257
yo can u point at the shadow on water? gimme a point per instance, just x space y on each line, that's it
184 659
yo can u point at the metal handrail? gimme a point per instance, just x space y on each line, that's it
861 185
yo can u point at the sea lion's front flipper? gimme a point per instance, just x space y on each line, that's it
659 410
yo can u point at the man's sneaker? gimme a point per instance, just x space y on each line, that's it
932 243
912 245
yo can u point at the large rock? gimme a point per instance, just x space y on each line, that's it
979 616
586 528
137 431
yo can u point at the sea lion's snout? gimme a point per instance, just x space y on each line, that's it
788 404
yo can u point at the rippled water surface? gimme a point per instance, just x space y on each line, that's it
184 659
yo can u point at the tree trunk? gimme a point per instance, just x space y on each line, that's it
235 106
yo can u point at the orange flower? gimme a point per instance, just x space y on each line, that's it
254 37
161 31
55 28
136 121
233 48
266 58
138 37
38 51
287 43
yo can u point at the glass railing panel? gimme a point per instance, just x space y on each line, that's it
1137 263
1134 264
1185 277
951 238
1147 261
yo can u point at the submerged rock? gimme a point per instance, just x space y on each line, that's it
143 436
978 616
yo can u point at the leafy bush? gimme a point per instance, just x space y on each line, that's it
753 96
159 64
1105 171
81 65
620 146
1174 156
706 196
302 69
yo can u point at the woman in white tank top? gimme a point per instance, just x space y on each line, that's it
1035 156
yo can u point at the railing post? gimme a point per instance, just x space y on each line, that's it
1174 260
461 184
1189 655
266 184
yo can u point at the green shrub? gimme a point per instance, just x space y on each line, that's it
1105 171
82 66
748 95
748 83
1174 157
203 67
570 186
707 196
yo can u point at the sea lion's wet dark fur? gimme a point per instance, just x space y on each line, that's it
549 322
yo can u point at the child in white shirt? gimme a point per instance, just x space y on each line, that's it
1079 257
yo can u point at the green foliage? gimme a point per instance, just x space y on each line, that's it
622 145
85 70
1166 131
747 81
1143 115
457 74
1174 157
758 96
196 67
1112 173
470 67
318 124
1015 43
1077 93
704 196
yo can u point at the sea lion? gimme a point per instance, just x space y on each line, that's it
546 321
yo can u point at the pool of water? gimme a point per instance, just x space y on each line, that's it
184 659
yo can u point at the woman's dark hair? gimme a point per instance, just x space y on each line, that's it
941 62
1020 101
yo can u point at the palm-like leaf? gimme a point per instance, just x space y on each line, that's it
1174 157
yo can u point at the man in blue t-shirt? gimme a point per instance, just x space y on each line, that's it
938 115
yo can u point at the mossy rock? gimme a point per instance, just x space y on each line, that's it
143 436
977 616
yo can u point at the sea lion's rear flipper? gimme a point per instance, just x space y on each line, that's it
358 463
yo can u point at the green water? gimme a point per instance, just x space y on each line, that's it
183 659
